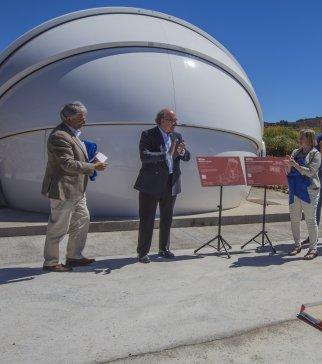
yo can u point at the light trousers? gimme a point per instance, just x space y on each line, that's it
318 210
309 210
66 216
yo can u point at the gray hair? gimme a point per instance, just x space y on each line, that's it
160 115
71 110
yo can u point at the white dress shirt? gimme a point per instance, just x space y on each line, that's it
76 132
168 143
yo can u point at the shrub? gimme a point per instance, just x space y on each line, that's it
280 140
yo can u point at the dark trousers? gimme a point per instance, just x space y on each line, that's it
147 208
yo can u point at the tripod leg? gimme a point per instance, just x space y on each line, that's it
222 241
263 238
208 242
269 242
229 246
249 241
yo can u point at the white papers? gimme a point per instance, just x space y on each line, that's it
101 157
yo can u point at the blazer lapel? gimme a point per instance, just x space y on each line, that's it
173 137
77 140
159 138
81 145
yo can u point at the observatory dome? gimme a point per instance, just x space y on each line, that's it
125 65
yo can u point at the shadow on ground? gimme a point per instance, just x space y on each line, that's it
119 263
19 274
281 257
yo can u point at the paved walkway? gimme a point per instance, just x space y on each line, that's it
24 223
29 249
88 316
288 342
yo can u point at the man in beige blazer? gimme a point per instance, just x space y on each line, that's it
65 182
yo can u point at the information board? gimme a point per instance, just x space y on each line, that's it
220 171
265 171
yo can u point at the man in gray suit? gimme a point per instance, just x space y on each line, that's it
161 150
65 182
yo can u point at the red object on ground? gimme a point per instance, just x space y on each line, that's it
312 312
220 171
265 171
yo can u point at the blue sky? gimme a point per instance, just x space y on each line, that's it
278 42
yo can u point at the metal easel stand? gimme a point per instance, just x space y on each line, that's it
263 232
221 242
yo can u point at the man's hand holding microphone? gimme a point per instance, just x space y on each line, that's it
179 148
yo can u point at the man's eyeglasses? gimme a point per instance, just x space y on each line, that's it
173 121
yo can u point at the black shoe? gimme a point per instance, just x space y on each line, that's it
166 254
144 259
78 262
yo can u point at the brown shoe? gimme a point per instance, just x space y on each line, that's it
78 262
61 268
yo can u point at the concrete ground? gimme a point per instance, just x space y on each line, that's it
195 309
23 223
287 342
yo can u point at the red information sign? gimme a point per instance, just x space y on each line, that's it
220 171
265 171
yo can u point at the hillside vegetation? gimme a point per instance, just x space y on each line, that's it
282 137
280 140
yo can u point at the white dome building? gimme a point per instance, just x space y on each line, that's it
125 65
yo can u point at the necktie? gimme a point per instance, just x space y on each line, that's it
169 156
